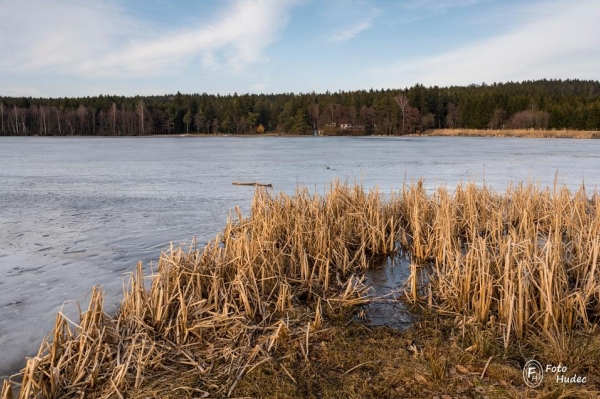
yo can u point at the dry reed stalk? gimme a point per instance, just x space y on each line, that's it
6 392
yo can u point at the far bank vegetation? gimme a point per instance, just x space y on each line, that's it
539 105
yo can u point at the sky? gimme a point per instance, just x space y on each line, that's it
69 48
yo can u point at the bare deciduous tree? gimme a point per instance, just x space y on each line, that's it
58 119
82 116
2 115
453 116
402 102
16 113
141 108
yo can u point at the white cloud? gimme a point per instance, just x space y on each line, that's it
352 31
352 17
439 5
90 38
559 39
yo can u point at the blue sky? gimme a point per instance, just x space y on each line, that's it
54 48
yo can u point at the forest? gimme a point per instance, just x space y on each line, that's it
541 104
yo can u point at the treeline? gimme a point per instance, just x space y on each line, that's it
542 104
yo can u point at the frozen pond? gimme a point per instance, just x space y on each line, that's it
75 212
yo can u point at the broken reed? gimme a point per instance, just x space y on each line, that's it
524 261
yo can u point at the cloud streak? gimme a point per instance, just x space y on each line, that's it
353 31
440 6
355 16
556 43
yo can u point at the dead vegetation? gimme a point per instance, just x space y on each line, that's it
530 133
511 275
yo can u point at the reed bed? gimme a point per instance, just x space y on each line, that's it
526 259
215 313
529 133
519 264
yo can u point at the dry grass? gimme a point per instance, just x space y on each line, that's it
517 270
531 133
427 361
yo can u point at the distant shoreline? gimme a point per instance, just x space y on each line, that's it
558 134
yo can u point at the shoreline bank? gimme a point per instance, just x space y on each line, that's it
558 134
523 133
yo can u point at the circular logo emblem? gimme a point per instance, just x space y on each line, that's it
533 374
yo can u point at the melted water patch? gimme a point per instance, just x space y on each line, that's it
387 286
